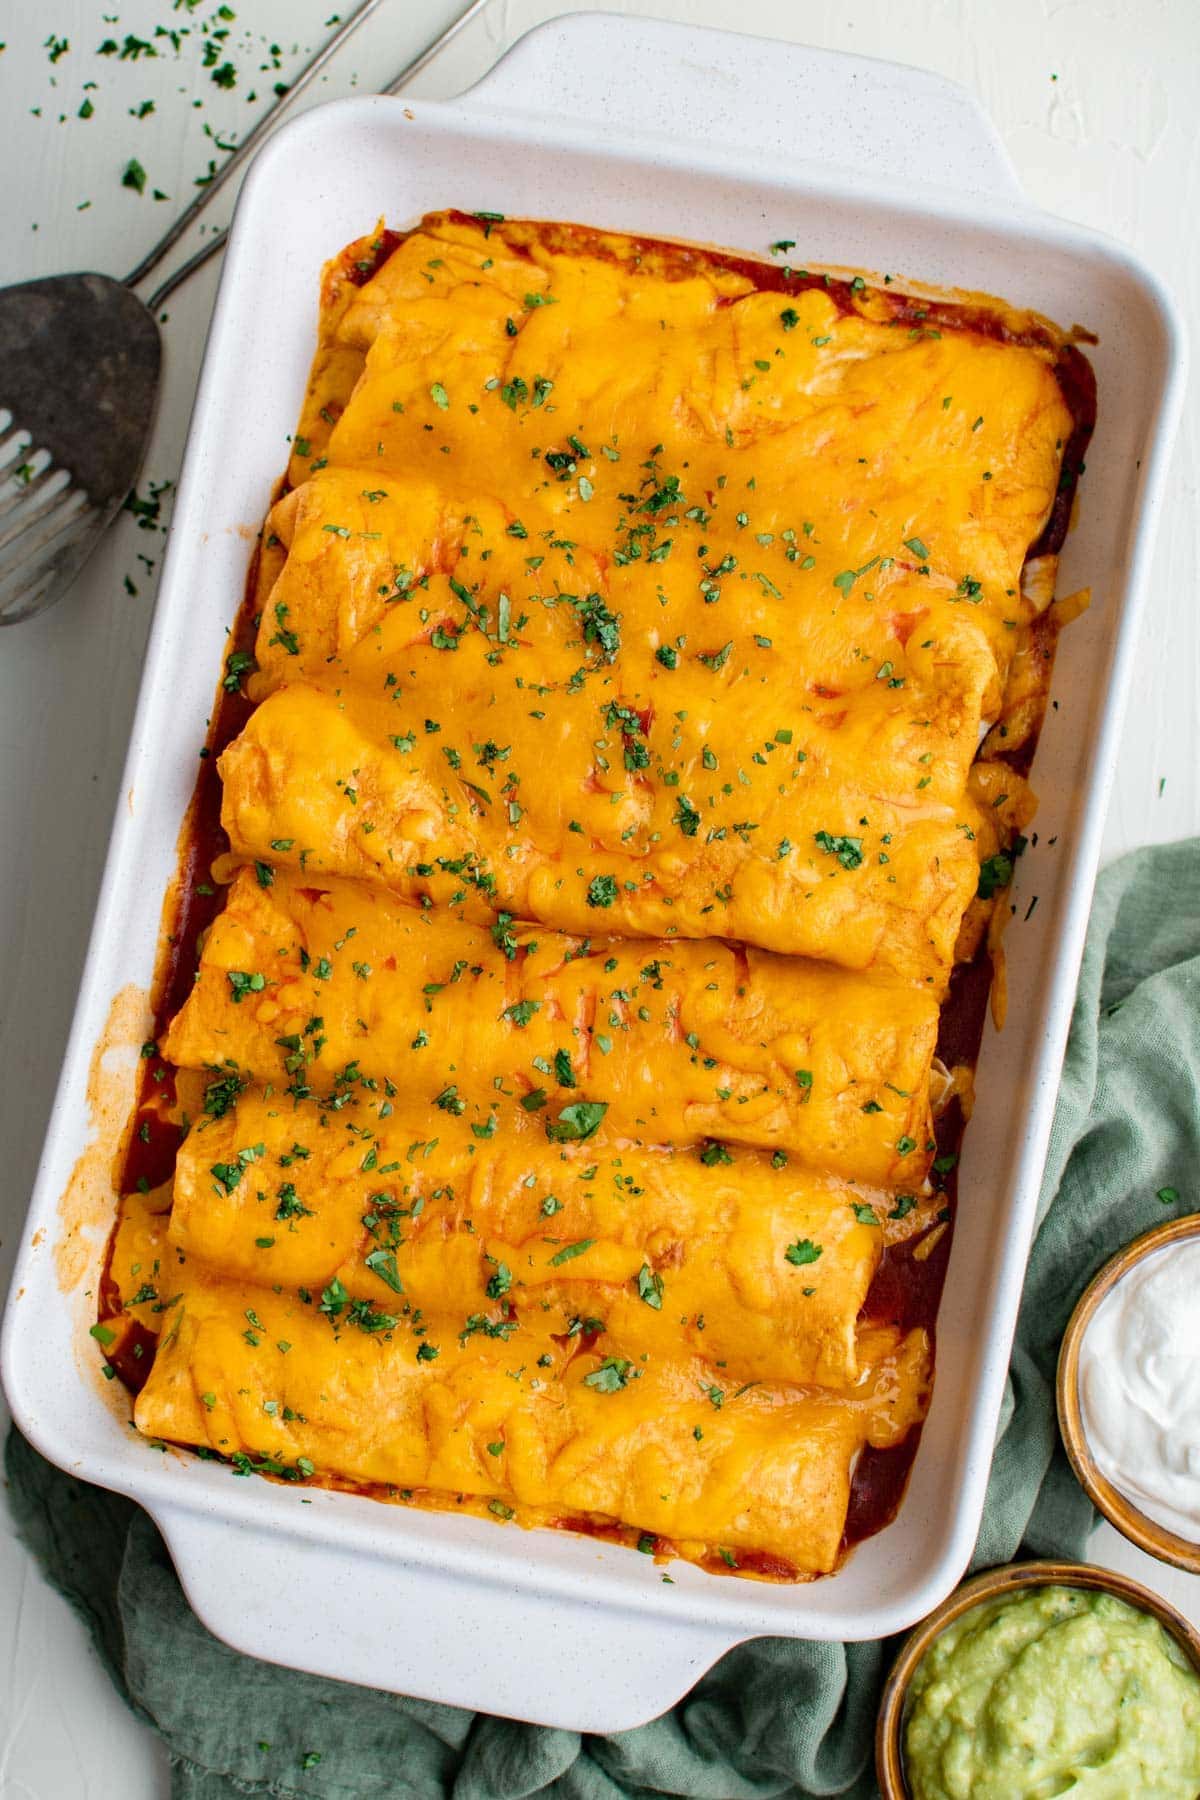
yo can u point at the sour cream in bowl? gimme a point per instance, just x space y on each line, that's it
1129 1392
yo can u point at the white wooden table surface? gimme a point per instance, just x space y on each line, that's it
1096 100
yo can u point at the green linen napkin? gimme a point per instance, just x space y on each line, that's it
774 1717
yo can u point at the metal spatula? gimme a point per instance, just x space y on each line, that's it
79 362
80 357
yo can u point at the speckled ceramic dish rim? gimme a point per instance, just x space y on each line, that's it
1009 1579
668 130
1129 1520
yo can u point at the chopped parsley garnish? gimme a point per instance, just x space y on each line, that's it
994 874
714 1152
570 1251
650 1286
286 639
848 850
717 659
220 1095
600 626
613 1373
686 816
383 1264
577 1122
237 664
335 1301
290 1204
242 983
846 578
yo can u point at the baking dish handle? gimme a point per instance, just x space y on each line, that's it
822 107
412 1629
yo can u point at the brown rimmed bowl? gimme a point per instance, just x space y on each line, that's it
1128 1519
1010 1578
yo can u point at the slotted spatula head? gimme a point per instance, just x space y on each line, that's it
79 368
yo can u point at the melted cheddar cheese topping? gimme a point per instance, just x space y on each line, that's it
609 818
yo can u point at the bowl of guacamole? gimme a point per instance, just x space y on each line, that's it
1044 1679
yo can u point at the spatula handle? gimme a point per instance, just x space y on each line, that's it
217 242
216 182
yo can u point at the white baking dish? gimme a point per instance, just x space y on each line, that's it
706 136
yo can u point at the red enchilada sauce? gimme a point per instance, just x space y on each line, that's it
907 1286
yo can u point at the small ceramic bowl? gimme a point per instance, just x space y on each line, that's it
1011 1578
1128 1520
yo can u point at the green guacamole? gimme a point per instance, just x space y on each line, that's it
1053 1690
